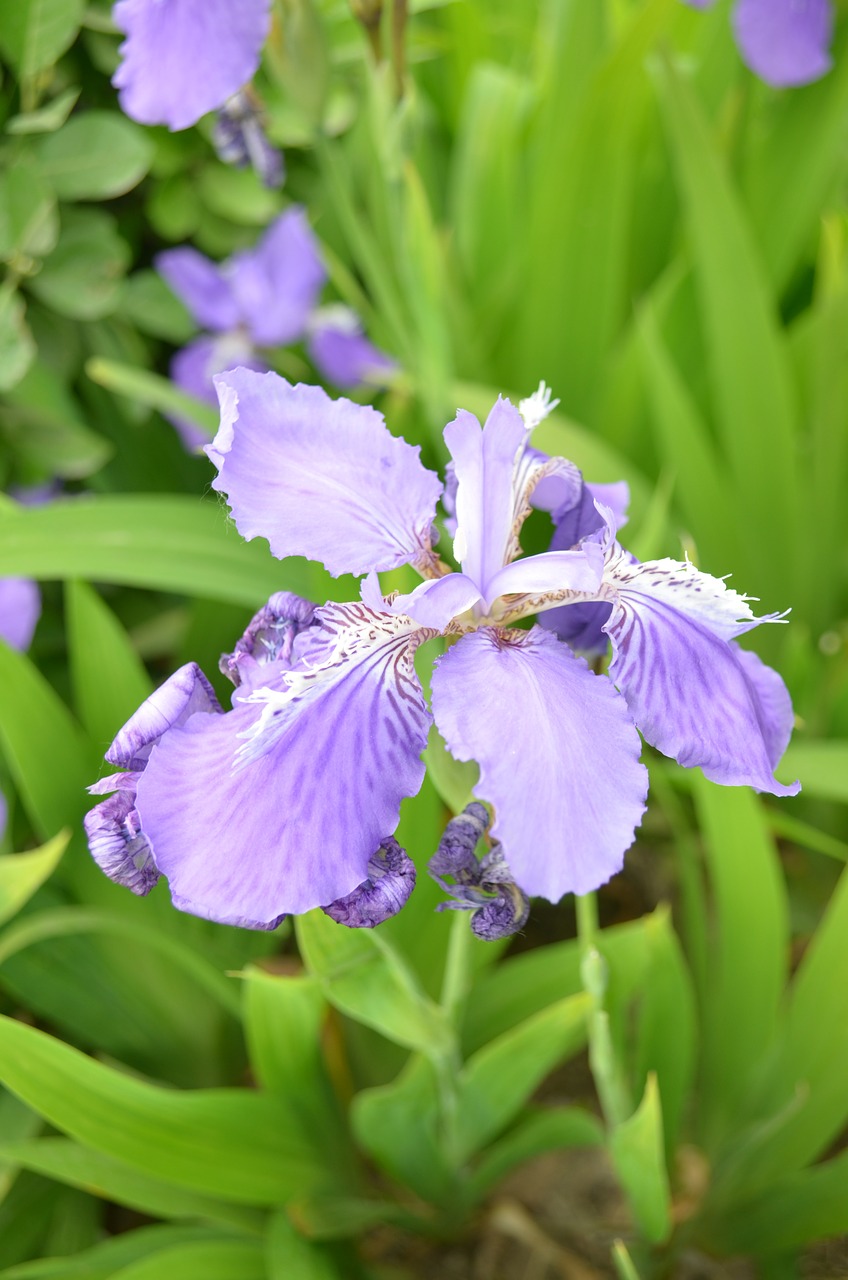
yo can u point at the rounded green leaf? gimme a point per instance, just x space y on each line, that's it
96 155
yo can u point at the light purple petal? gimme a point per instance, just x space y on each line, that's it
391 879
785 42
277 806
485 460
434 603
4 814
193 369
182 695
202 285
772 703
20 609
341 352
550 572
278 281
557 750
182 58
693 695
320 478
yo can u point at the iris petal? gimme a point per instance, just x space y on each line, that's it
318 477
557 750
785 42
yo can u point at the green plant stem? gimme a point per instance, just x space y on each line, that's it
609 1079
448 1064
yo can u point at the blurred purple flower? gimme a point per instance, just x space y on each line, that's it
262 297
278 806
183 58
784 42
20 609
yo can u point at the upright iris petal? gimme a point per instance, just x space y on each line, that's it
320 478
278 805
277 282
182 58
558 755
193 370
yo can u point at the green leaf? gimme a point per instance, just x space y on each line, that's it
22 873
499 1079
43 425
108 678
17 349
290 1257
215 1260
365 978
29 223
47 118
806 1208
821 766
167 543
397 1125
37 32
638 1152
150 304
750 383
624 1268
103 1260
144 387
237 195
538 1131
33 721
749 954
104 1176
231 1143
96 155
82 277
454 780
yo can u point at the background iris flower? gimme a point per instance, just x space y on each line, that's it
784 42
278 805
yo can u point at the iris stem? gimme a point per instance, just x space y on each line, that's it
457 974
606 1070
449 1064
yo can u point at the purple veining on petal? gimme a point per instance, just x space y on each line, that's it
785 42
183 58
342 353
391 879
118 845
20 609
183 695
695 696
277 806
319 477
269 638
563 775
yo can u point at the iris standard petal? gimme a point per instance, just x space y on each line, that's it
182 695
693 694
202 285
434 603
277 282
557 750
182 58
484 460
785 42
320 478
549 573
277 806
20 609
342 353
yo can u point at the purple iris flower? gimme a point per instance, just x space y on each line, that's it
784 42
183 58
279 805
263 297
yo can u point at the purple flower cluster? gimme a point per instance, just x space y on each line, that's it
262 297
784 42
289 800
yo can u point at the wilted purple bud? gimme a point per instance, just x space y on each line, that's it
270 637
115 839
485 888
240 139
391 879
